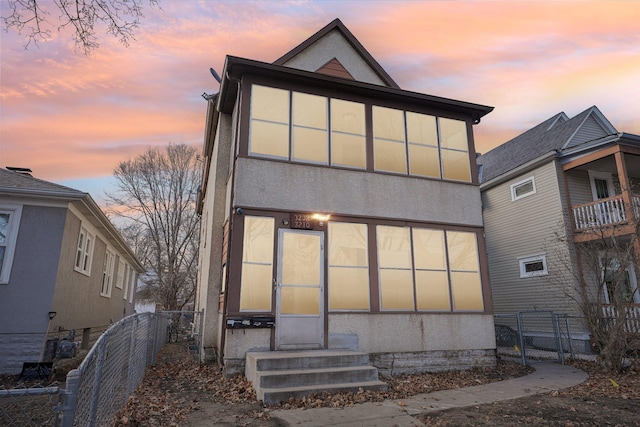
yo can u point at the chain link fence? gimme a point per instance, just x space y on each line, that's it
95 391
537 335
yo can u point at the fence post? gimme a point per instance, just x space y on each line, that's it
132 351
556 327
523 356
70 394
97 379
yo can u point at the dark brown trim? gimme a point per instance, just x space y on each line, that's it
243 141
374 292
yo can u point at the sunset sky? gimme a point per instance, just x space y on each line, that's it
71 118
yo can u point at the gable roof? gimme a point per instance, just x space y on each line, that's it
555 134
14 184
337 25
20 182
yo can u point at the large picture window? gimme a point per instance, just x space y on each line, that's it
348 266
420 268
257 264
308 128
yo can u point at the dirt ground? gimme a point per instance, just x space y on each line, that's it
176 392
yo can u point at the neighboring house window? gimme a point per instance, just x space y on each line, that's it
333 132
121 274
107 274
84 252
531 266
523 188
348 266
132 285
9 223
601 185
426 266
257 264
619 282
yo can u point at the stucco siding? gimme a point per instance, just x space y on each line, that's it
415 332
213 216
529 226
333 45
260 183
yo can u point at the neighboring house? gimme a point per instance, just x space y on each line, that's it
341 212
564 183
60 257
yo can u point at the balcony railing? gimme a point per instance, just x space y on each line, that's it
604 212
631 316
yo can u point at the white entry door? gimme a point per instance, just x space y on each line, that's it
300 290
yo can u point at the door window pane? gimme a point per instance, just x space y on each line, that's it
269 133
348 266
257 264
299 300
301 253
310 138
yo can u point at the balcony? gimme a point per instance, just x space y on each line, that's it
603 213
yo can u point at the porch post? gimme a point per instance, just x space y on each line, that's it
625 186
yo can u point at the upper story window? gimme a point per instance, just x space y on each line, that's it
309 128
523 188
84 252
9 223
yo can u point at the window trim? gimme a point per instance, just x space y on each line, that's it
520 183
87 251
15 214
523 260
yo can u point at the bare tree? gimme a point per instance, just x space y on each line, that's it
121 18
155 203
604 267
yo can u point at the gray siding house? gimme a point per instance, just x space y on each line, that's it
560 186
60 257
341 212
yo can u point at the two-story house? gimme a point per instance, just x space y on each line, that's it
63 267
553 198
341 212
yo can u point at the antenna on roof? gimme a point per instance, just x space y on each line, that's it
215 75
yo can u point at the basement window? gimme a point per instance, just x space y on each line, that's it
532 266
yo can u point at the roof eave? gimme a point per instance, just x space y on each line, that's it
236 67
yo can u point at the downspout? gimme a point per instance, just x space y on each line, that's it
236 139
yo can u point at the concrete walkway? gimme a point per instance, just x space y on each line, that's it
546 378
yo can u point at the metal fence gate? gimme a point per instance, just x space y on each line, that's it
533 335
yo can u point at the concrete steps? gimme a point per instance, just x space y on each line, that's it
279 375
